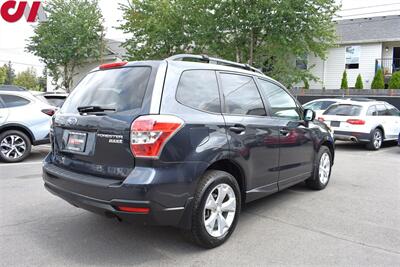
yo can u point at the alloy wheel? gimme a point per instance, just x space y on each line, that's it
324 168
13 147
219 210
377 139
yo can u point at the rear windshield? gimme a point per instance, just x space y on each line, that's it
343 110
120 89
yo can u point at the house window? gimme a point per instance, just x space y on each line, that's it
352 57
301 62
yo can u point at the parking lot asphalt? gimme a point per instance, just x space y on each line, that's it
354 221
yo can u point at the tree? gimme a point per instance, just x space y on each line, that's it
10 73
3 75
379 81
27 79
359 83
42 80
306 84
344 84
267 34
394 82
72 35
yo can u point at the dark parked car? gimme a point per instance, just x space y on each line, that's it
53 98
183 143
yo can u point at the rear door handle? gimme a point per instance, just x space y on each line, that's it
238 128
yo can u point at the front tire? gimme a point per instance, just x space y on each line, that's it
376 140
216 209
15 146
322 170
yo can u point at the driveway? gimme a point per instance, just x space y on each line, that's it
355 221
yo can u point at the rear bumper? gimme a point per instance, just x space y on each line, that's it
352 136
168 203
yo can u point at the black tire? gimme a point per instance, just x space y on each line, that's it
26 151
375 144
316 182
209 181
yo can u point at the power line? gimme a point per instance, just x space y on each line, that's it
365 7
21 63
369 13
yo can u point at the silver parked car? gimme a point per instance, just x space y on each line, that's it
24 121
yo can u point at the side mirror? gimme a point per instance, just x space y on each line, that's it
309 115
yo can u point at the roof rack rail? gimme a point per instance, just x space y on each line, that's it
212 60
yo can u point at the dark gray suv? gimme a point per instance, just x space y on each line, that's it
185 141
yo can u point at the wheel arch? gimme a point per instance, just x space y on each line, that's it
331 147
18 127
380 127
235 170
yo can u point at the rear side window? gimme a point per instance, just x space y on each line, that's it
343 110
371 111
241 95
120 89
11 101
199 89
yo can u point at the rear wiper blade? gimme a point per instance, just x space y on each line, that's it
92 109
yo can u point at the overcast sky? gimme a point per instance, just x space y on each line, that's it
13 35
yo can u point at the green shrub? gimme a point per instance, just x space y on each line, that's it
394 82
359 82
379 80
344 84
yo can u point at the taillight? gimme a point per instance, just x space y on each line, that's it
321 119
150 133
356 121
49 111
112 65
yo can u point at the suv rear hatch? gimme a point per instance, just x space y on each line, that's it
91 132
342 116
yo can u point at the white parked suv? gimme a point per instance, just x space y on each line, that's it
367 121
24 121
320 105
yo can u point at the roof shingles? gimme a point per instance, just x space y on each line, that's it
368 30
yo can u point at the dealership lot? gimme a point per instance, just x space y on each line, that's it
355 221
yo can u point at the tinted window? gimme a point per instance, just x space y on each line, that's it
241 95
56 101
382 110
281 103
11 101
343 110
319 105
392 111
120 89
371 111
199 89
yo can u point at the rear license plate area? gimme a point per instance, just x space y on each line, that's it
335 123
75 141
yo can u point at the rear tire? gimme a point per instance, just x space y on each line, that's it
15 146
216 209
376 140
322 170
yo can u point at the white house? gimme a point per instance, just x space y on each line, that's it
114 52
363 46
